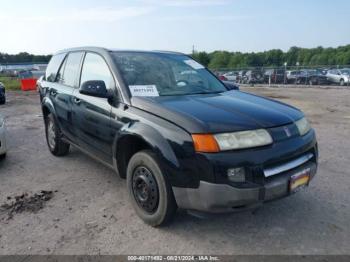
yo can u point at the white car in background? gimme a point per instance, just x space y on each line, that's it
231 76
2 138
339 76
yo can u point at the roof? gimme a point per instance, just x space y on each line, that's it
104 50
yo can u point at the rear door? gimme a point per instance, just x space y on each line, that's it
61 91
91 115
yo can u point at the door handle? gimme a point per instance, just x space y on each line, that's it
76 100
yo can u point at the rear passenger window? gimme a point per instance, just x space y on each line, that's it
53 67
95 68
69 71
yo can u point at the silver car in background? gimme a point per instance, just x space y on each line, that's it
2 138
231 76
339 76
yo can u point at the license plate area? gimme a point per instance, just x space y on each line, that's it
299 180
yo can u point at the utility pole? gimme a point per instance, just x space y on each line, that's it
285 72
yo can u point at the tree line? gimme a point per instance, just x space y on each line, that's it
224 59
23 57
276 58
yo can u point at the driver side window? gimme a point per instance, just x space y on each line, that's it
95 68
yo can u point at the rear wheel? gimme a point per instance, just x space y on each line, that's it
54 137
149 190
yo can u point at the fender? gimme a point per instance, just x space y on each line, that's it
46 102
151 136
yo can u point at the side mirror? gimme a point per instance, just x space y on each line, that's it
95 88
230 85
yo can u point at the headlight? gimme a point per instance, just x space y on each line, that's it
303 126
243 139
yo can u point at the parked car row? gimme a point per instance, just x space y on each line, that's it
281 76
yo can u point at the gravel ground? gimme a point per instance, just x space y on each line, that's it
89 212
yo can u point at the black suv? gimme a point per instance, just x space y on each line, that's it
178 135
312 77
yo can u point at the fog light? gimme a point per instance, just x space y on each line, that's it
236 174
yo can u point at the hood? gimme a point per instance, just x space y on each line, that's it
216 113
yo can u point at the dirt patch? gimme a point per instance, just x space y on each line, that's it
24 203
332 110
276 96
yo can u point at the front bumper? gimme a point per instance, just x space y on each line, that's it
217 198
268 175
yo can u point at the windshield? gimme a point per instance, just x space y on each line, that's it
153 74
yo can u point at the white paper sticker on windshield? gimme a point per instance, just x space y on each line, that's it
193 64
143 90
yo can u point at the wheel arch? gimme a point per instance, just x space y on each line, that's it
135 138
47 108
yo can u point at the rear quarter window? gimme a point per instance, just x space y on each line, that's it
53 67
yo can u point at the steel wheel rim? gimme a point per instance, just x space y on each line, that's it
145 189
51 134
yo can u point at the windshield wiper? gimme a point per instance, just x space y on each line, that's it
205 93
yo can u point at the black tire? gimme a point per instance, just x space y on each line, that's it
144 174
3 156
2 102
54 137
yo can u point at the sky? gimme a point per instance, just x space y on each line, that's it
44 27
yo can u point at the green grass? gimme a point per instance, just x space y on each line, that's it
10 83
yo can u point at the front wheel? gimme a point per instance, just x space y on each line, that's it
54 138
149 190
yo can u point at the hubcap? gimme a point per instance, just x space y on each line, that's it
145 189
51 135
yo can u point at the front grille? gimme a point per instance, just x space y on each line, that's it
288 165
284 132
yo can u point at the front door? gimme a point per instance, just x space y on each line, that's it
92 115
